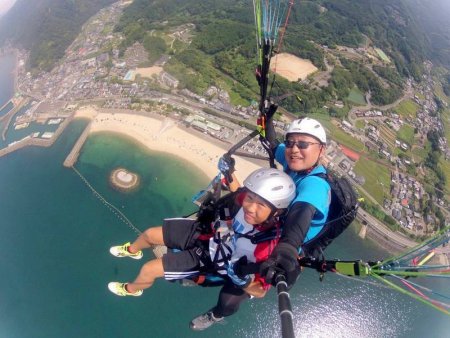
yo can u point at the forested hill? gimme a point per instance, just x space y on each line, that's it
47 27
319 30
388 23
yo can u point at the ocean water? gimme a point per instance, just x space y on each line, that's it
56 264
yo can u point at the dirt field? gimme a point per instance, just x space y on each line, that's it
148 72
291 67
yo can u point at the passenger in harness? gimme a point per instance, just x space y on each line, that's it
267 193
300 155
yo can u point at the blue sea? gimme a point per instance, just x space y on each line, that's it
56 263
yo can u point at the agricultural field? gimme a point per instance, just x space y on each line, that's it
356 96
406 134
445 165
407 108
343 138
360 124
387 135
378 178
420 96
382 55
418 154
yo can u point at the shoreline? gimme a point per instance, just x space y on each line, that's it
165 135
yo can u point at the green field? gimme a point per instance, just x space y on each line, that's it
407 108
356 96
360 124
406 134
382 55
445 165
418 154
345 139
420 96
377 177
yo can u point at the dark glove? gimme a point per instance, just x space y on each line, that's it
226 166
271 112
235 273
283 260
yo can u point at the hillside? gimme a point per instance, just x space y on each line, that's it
47 27
223 46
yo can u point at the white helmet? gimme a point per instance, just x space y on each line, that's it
274 186
308 126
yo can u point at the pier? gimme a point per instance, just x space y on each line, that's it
9 116
39 142
72 158
4 106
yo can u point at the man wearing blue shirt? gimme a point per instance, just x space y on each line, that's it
299 154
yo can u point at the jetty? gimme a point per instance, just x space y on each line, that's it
35 141
72 158
5 105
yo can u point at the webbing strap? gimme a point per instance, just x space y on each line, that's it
352 268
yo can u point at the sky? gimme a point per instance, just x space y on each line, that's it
5 5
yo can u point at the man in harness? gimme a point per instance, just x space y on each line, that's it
300 155
267 193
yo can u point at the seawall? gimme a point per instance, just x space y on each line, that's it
72 158
39 142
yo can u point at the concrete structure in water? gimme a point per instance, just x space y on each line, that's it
124 180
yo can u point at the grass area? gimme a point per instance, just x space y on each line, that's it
406 134
420 96
407 108
356 96
345 139
382 55
360 124
418 154
377 178
445 165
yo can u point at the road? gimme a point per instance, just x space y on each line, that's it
397 238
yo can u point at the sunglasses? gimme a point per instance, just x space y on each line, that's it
299 144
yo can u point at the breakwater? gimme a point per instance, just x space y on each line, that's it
4 106
34 141
72 158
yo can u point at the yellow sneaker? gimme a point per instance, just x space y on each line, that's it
122 251
120 290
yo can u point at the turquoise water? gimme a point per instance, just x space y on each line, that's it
6 109
55 260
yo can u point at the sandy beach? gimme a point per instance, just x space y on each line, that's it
165 136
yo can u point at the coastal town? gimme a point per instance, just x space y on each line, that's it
90 76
